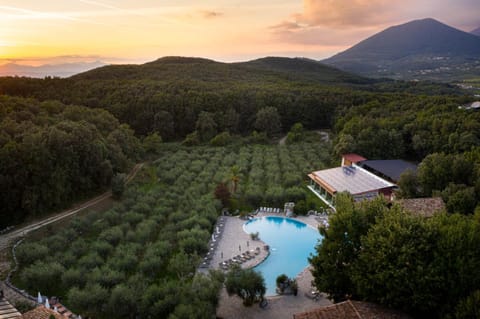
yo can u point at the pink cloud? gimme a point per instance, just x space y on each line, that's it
347 13
345 22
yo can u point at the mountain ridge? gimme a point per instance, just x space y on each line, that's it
179 68
410 49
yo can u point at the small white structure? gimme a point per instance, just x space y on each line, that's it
471 106
288 209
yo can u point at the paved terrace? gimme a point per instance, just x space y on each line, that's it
233 241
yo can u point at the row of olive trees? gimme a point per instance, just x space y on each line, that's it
139 258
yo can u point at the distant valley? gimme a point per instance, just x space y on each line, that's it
55 70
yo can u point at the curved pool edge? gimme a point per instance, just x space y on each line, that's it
299 275
284 217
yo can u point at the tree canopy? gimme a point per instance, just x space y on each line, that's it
425 267
52 154
247 284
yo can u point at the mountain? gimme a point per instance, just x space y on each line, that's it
270 69
476 32
54 70
303 68
423 49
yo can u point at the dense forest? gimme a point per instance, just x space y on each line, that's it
167 96
52 154
200 101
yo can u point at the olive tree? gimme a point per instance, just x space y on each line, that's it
245 283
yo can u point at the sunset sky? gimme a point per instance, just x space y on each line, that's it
118 31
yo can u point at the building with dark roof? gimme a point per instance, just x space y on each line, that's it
362 178
388 169
350 177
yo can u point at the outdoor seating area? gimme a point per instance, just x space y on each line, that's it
322 219
239 259
212 245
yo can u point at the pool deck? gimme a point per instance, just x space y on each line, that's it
233 241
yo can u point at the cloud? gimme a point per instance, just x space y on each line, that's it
368 13
314 36
207 14
346 13
286 26
345 22
63 59
17 13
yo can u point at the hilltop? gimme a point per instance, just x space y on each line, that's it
270 69
424 49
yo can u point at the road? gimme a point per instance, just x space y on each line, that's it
7 239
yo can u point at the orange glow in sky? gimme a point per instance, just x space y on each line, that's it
36 32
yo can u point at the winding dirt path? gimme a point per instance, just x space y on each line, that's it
323 133
7 239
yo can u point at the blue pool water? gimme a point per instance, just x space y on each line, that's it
291 243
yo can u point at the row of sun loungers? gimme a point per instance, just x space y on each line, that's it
316 213
269 210
212 245
239 259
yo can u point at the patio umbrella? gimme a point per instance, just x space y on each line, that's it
39 298
47 304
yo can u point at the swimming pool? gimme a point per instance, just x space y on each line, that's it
291 243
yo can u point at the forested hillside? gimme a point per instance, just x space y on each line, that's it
203 101
52 154
144 252
167 96
408 127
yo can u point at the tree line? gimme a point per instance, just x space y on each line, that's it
52 154
426 267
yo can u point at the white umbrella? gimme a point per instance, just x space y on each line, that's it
55 309
47 304
39 298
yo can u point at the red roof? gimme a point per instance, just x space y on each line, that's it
351 310
425 207
42 313
354 158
